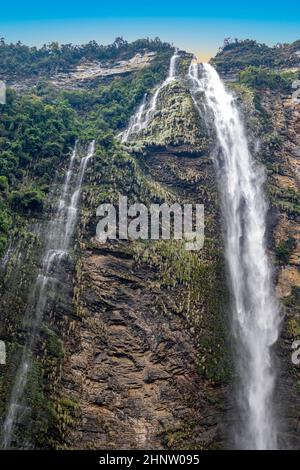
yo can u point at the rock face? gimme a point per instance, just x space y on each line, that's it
136 353
87 73
148 364
134 372
286 198
91 71
152 377
176 122
132 351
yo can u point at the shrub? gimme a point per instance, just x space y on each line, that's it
3 184
258 77
284 250
27 201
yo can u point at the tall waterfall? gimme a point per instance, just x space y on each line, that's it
58 239
144 113
255 311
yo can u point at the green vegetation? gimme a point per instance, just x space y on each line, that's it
4 184
237 54
286 199
293 300
27 201
260 78
35 138
39 127
5 222
107 108
53 344
23 61
284 249
32 131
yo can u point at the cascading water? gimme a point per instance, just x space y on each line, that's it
170 78
256 315
142 117
136 121
4 260
73 207
58 239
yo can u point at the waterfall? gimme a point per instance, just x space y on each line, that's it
172 68
144 113
58 239
4 260
73 207
136 121
170 78
255 311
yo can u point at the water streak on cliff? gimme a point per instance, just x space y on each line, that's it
58 239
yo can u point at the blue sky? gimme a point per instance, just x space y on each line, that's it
197 26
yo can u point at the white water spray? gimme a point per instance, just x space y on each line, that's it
59 236
256 317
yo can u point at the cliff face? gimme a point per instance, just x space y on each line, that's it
148 363
284 185
134 352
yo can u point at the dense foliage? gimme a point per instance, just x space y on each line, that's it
34 137
38 127
108 108
239 54
23 61
260 78
34 134
284 249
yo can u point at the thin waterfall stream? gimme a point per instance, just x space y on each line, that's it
255 310
57 245
145 111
